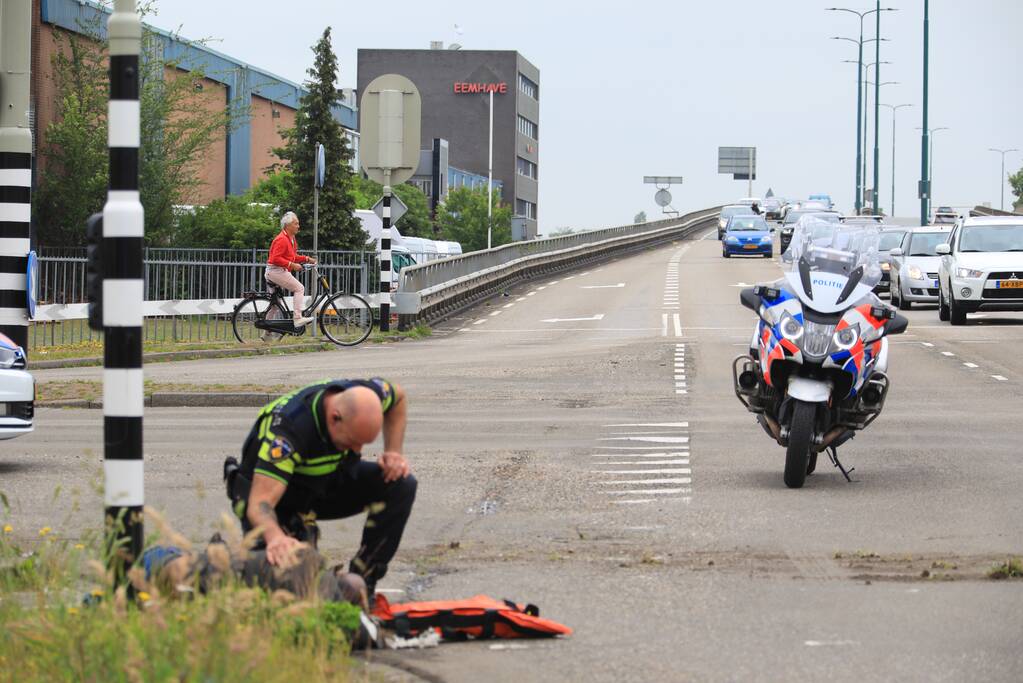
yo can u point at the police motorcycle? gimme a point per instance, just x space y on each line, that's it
816 372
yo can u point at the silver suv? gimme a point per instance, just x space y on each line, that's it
981 267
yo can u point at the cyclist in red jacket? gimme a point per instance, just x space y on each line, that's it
285 259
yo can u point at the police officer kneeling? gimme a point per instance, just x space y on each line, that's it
302 462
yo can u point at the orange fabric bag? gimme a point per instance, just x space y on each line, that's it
477 617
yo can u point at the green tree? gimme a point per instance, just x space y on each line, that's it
272 190
315 123
1016 182
415 222
232 222
176 131
640 218
463 218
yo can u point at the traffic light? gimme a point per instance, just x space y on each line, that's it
94 270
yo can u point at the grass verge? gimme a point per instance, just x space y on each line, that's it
89 390
1010 569
233 634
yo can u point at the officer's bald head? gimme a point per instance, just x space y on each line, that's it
354 417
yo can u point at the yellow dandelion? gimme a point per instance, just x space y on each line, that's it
79 546
72 611
96 593
45 530
144 596
8 528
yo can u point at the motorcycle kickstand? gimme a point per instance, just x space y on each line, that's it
833 454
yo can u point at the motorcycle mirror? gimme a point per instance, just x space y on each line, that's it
749 299
897 325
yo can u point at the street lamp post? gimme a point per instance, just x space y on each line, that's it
859 87
930 170
925 181
873 191
877 97
894 109
1003 152
866 75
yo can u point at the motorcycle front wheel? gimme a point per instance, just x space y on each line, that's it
797 456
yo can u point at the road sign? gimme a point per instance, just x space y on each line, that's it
321 165
662 198
390 114
662 179
739 161
398 208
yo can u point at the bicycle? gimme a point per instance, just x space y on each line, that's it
346 319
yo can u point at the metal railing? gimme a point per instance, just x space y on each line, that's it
183 274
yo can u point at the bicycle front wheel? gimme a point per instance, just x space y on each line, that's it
248 311
346 319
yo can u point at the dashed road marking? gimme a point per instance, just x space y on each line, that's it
971 365
648 439
480 322
680 425
947 353
1000 378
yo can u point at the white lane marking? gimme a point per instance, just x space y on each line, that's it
650 424
680 378
741 284
664 324
533 293
618 286
674 470
566 279
681 391
480 322
521 298
1000 378
649 439
678 325
823 643
598 316
662 454
683 461
680 385
947 353
636 448
971 365
647 492
584 274
508 305
496 313
540 289
927 344
648 482
465 329
635 501
660 431
553 282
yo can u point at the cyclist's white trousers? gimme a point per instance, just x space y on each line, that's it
282 278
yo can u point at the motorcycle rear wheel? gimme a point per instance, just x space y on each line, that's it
797 456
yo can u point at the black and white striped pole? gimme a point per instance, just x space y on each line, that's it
15 166
385 258
390 116
123 231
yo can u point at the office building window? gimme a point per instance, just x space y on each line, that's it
528 128
529 88
524 208
425 186
526 167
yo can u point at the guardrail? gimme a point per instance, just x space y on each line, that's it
988 211
432 291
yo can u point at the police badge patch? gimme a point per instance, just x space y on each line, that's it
280 449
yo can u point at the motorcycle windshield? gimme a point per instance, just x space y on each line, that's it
831 266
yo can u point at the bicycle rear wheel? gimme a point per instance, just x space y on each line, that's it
346 319
248 311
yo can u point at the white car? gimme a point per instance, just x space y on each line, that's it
981 267
17 391
914 266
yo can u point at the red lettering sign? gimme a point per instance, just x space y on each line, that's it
462 87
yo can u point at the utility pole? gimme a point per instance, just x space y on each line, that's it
874 194
894 109
925 181
122 267
15 167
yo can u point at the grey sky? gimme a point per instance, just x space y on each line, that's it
654 88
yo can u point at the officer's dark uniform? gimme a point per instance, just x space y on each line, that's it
289 442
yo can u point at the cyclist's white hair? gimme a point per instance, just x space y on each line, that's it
287 218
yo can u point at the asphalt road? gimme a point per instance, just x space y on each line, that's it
578 446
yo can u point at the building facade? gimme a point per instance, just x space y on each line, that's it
233 162
455 86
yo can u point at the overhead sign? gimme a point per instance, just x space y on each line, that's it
464 88
390 117
662 179
398 208
741 162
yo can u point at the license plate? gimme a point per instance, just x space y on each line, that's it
1010 284
749 246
